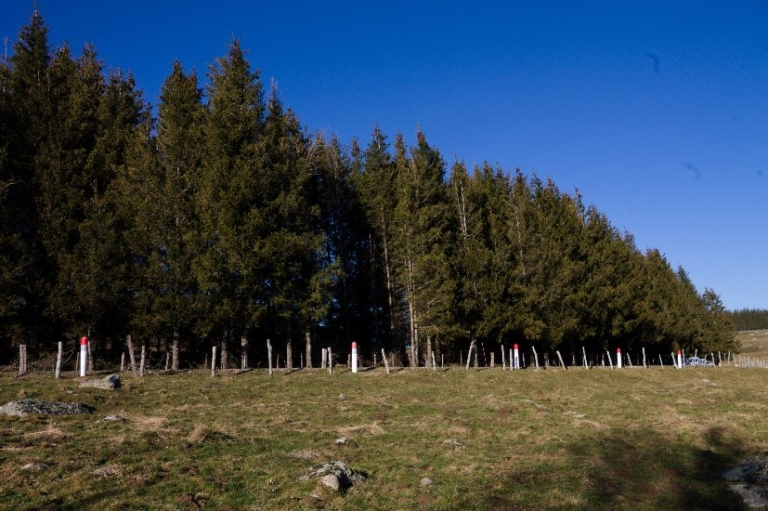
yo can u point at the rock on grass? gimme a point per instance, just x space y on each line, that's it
39 407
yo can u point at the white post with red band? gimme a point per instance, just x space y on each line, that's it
679 359
517 357
354 357
618 358
83 355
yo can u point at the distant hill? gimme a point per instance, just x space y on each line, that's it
749 319
753 342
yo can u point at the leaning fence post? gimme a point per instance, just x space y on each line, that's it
535 357
469 354
561 360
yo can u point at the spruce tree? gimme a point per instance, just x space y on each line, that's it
229 266
422 241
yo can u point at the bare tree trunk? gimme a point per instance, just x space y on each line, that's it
175 351
388 271
224 350
244 350
308 347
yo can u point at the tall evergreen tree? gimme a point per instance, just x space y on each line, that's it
377 191
25 124
159 193
229 265
422 242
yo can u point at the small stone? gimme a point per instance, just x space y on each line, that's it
341 440
111 382
113 418
107 471
34 467
453 441
425 481
342 397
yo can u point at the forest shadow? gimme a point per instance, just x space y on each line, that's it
629 469
648 467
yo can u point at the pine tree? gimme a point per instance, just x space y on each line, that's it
422 241
25 125
376 187
158 194
229 267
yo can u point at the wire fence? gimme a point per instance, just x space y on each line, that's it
160 362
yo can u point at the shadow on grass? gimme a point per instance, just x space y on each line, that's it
628 470
645 468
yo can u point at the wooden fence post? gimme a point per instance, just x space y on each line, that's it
561 360
131 355
469 354
384 356
269 355
22 361
58 360
330 361
213 361
143 359
535 357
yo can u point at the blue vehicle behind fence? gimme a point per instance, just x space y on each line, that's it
696 361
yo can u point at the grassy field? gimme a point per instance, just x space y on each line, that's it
754 343
599 439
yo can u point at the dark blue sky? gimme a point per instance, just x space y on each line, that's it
658 113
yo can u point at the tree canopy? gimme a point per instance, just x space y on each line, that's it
220 216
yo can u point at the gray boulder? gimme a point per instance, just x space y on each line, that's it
111 382
751 477
335 475
38 407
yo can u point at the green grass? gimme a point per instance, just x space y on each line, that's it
598 439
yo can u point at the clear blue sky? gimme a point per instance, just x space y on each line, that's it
658 113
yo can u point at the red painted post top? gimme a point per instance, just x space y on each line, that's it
515 346
354 345
679 352
618 350
83 341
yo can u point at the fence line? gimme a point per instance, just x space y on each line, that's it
158 361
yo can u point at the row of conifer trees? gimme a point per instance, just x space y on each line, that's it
216 219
